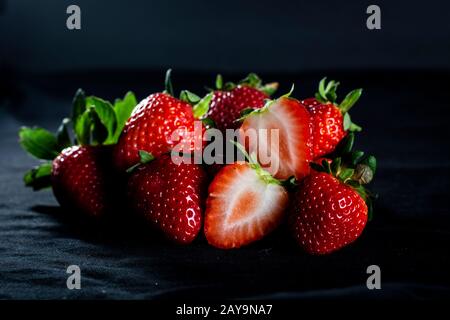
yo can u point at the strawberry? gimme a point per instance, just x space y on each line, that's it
288 155
82 179
244 204
330 121
80 175
157 125
331 207
169 195
230 100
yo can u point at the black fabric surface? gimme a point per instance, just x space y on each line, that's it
405 119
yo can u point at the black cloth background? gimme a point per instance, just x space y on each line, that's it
405 119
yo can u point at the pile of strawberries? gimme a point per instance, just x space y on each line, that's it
119 156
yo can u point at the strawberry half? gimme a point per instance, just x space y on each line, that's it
170 196
330 121
157 125
287 119
81 175
331 207
244 204
230 100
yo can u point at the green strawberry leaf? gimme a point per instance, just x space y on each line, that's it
39 177
123 109
201 108
78 109
82 128
252 80
347 121
355 157
345 145
144 157
350 99
287 95
345 174
62 134
219 82
39 142
336 165
98 131
189 97
327 91
168 83
208 123
229 86
78 105
269 88
245 112
107 117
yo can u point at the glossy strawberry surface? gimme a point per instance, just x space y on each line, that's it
226 106
170 196
157 124
326 214
328 126
83 179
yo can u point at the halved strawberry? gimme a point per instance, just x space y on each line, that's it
288 153
244 204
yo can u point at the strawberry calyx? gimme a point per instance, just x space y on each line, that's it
251 80
200 106
93 122
351 167
327 94
253 163
144 158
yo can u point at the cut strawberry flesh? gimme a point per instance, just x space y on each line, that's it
290 154
242 207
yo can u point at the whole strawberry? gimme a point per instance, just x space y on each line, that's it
169 195
81 175
158 124
331 207
230 100
83 179
330 121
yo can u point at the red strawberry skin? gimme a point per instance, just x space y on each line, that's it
83 180
242 208
326 214
226 106
170 196
151 126
328 126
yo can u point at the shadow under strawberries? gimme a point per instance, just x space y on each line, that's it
118 227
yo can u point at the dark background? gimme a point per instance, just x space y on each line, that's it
404 69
